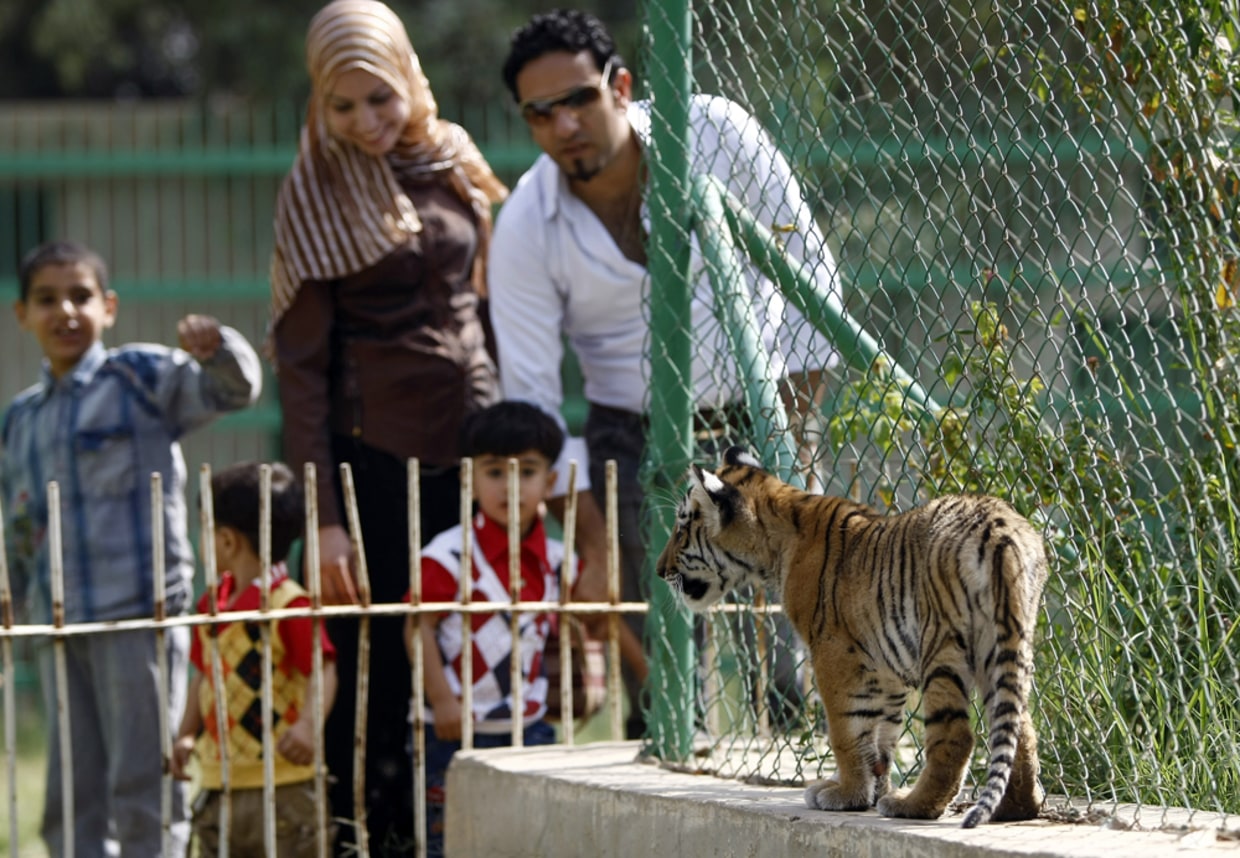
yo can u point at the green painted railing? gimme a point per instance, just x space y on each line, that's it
669 630
195 161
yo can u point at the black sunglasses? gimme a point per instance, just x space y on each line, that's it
537 112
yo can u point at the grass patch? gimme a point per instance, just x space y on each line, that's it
29 757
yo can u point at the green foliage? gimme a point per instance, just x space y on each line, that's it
29 753
1147 619
241 49
1164 60
999 442
1175 69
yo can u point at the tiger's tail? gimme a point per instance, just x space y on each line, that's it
1008 677
1004 731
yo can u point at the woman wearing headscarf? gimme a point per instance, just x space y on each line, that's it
380 239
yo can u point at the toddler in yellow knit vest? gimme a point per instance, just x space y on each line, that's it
236 500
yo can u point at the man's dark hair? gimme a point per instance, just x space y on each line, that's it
569 30
509 428
236 497
60 253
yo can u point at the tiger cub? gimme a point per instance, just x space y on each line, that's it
941 598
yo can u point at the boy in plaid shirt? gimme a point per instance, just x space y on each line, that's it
98 423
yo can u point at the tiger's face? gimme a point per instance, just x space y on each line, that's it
697 562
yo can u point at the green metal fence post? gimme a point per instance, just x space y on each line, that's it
734 307
858 348
669 448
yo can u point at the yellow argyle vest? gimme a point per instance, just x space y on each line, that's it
241 657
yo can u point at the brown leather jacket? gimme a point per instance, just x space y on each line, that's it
395 354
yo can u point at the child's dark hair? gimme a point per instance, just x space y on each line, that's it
236 497
60 253
509 428
568 30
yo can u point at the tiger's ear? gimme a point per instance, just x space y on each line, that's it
717 500
705 481
741 456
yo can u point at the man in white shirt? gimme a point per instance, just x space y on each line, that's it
568 260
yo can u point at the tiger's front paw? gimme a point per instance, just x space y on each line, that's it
829 795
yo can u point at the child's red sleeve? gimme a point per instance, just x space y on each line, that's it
297 633
195 649
196 657
438 584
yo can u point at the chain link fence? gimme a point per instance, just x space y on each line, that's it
1031 208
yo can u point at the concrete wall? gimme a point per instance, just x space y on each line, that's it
600 801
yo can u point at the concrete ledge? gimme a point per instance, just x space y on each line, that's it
599 801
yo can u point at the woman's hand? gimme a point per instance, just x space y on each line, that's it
335 566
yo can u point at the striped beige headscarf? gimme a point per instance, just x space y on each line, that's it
340 209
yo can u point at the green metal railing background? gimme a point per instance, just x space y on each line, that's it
1033 206
178 197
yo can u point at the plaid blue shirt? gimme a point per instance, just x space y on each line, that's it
100 431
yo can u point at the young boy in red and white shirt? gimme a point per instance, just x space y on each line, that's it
507 430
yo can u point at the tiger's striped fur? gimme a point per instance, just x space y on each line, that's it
942 598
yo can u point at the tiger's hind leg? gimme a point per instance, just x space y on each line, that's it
1024 795
887 735
863 727
949 743
852 745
